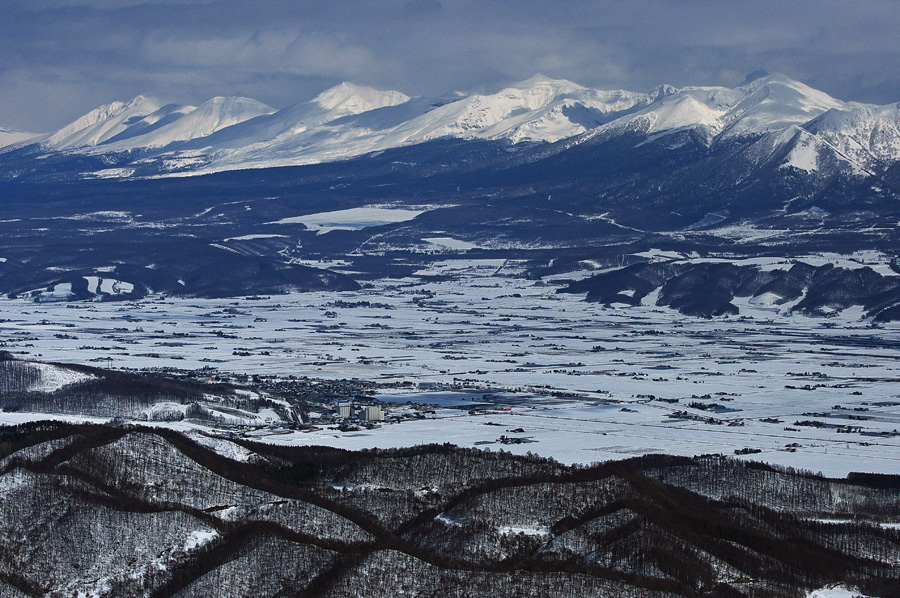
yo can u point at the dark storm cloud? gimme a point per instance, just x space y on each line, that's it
60 58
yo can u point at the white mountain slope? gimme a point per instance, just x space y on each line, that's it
211 116
101 124
9 137
346 99
794 147
155 120
867 134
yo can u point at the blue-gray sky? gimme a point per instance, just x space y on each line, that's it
62 58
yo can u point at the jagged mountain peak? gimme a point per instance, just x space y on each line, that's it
664 90
140 100
668 109
533 93
542 81
536 109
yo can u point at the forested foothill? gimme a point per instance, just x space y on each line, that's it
133 511
81 390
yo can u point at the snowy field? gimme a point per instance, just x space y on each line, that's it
583 382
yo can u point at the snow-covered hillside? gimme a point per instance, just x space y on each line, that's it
312 126
102 510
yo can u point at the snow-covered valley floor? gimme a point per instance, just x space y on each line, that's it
583 382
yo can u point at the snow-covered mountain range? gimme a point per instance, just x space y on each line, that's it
349 120
547 173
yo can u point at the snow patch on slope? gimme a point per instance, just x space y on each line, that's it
54 377
60 292
198 538
223 447
836 591
804 156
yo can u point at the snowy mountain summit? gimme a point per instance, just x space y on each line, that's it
768 103
347 98
350 120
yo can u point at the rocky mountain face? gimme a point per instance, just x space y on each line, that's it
111 511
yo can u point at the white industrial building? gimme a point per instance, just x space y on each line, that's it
372 413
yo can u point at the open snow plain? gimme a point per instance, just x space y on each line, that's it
569 379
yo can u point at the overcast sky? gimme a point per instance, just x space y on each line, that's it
62 58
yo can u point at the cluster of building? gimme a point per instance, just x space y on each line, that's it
367 413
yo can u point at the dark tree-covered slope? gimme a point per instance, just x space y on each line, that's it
111 511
